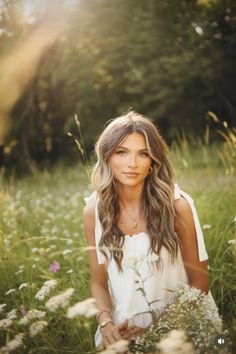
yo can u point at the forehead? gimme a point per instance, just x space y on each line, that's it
134 140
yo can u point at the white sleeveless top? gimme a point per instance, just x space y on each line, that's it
139 271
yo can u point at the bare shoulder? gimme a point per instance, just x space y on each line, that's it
182 207
184 214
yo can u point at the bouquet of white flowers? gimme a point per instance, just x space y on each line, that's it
189 324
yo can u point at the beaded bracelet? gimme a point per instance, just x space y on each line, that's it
102 309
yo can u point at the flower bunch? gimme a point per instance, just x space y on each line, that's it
189 311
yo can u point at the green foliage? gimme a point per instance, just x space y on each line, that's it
41 222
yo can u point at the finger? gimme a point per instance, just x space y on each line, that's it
116 335
123 325
128 329
130 334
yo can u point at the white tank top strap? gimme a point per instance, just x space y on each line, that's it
202 253
98 228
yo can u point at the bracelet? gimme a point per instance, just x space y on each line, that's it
105 322
103 309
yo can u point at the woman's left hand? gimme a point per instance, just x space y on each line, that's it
131 332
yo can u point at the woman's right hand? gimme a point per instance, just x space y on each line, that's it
112 333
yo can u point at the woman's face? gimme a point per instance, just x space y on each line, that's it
130 162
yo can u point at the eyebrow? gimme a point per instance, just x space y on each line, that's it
122 147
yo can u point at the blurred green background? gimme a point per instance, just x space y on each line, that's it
171 60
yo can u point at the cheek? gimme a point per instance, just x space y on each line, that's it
115 163
147 165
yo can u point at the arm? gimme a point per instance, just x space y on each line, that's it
184 226
99 281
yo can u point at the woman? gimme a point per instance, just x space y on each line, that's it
143 231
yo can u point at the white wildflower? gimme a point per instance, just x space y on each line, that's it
31 315
34 250
232 242
23 285
235 218
19 271
199 30
120 347
5 323
46 288
175 343
61 300
191 295
2 307
37 327
13 344
10 291
206 227
22 266
66 252
85 308
70 271
12 314
69 242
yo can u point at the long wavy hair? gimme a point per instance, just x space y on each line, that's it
157 201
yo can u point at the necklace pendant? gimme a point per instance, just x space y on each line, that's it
135 225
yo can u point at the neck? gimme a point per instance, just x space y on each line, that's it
130 197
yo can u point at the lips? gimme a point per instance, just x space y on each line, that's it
131 174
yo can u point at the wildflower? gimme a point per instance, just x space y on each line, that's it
2 307
13 344
70 271
31 315
232 242
46 288
54 267
19 271
10 291
66 252
235 218
37 327
23 285
5 323
206 227
12 314
34 250
175 343
85 308
120 347
189 296
23 310
61 300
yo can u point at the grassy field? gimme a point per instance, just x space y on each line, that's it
41 239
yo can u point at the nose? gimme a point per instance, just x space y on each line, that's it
132 162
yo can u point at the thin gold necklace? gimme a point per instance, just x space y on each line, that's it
135 224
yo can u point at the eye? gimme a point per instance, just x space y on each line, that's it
121 152
144 154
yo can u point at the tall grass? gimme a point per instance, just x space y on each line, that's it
41 225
